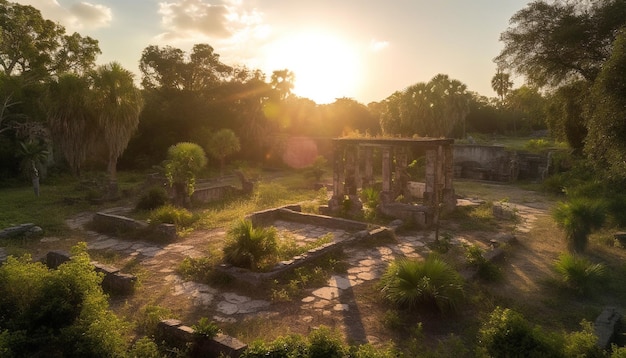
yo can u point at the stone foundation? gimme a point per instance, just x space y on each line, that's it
175 334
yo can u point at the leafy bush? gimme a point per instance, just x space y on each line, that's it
154 198
474 256
290 346
250 247
578 273
318 168
144 348
150 318
508 334
431 283
371 197
206 328
324 343
537 145
578 218
169 214
61 312
582 343
196 269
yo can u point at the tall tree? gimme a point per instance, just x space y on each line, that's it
606 140
430 109
71 118
502 84
33 46
282 82
552 43
566 114
118 104
222 144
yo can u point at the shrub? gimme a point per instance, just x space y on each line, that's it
184 162
324 343
578 273
431 283
150 318
537 145
508 334
61 312
371 197
578 218
582 343
290 346
196 269
169 214
206 328
474 256
250 247
144 348
154 198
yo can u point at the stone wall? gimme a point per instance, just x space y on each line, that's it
175 334
292 213
23 230
113 280
117 224
207 195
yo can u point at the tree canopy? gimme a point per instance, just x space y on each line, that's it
552 43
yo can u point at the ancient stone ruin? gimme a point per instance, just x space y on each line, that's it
354 160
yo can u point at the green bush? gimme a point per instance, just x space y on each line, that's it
169 214
61 312
154 198
150 318
324 343
537 145
206 328
508 334
144 348
582 343
290 346
474 256
578 273
578 217
250 247
431 283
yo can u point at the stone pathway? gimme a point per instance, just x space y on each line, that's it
365 264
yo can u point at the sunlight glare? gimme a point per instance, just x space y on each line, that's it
325 67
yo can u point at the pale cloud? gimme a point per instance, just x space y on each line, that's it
377 45
200 20
79 15
91 15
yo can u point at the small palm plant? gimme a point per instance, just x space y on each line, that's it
579 273
430 283
250 247
579 217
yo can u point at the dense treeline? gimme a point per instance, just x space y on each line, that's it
50 87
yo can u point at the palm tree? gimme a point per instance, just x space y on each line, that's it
118 104
222 144
71 118
501 83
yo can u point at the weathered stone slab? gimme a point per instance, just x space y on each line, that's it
605 325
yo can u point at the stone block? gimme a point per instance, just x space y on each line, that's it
55 258
605 325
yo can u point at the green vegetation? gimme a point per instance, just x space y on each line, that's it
578 217
168 214
578 273
431 284
251 247
184 162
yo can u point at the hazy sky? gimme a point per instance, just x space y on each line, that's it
362 49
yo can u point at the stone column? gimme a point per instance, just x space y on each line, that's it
351 170
449 197
402 176
385 195
430 190
334 204
369 168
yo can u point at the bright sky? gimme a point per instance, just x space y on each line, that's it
364 50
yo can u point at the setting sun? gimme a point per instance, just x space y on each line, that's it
325 66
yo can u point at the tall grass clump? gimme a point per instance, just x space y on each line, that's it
578 218
250 247
169 214
430 283
578 273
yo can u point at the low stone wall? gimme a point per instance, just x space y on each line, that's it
175 334
117 224
207 195
113 280
605 326
24 230
266 217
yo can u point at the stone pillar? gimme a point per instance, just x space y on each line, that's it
385 195
369 168
430 190
351 170
449 197
334 204
402 176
